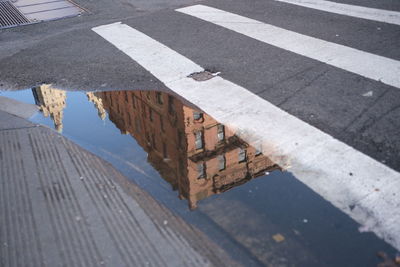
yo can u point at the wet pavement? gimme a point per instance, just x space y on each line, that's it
202 171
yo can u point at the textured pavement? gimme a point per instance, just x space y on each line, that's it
62 206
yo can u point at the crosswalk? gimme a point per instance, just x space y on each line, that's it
371 66
380 15
360 186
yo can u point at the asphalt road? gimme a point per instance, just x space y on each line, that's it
359 111
69 55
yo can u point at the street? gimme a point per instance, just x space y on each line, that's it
178 94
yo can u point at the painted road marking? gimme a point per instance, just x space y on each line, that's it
371 66
353 182
380 15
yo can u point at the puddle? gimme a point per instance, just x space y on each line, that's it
190 150
206 174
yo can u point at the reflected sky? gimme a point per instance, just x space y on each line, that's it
190 150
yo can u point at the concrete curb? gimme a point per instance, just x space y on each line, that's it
17 108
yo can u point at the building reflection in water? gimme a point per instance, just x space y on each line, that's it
51 102
197 155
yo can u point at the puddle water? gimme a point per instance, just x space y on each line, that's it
203 172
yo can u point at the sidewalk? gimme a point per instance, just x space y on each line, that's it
62 206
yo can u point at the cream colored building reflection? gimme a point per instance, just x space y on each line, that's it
51 102
193 152
98 103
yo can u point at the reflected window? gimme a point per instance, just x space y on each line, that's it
242 155
148 138
165 153
201 170
144 110
151 114
129 119
179 138
221 162
133 101
153 139
181 167
199 140
137 126
126 96
162 124
171 109
221 132
159 98
197 115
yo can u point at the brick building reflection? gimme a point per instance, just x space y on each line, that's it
51 102
193 152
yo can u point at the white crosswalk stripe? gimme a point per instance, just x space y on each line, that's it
350 180
371 66
380 15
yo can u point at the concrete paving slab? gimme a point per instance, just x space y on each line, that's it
11 122
63 206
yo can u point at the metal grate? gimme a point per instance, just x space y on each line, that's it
10 15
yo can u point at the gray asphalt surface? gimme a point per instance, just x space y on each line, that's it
68 54
71 56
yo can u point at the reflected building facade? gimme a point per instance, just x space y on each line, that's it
51 102
197 155
98 103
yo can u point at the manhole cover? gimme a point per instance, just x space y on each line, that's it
10 15
20 12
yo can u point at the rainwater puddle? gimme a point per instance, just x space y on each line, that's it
203 172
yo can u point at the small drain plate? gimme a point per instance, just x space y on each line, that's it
22 12
203 75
